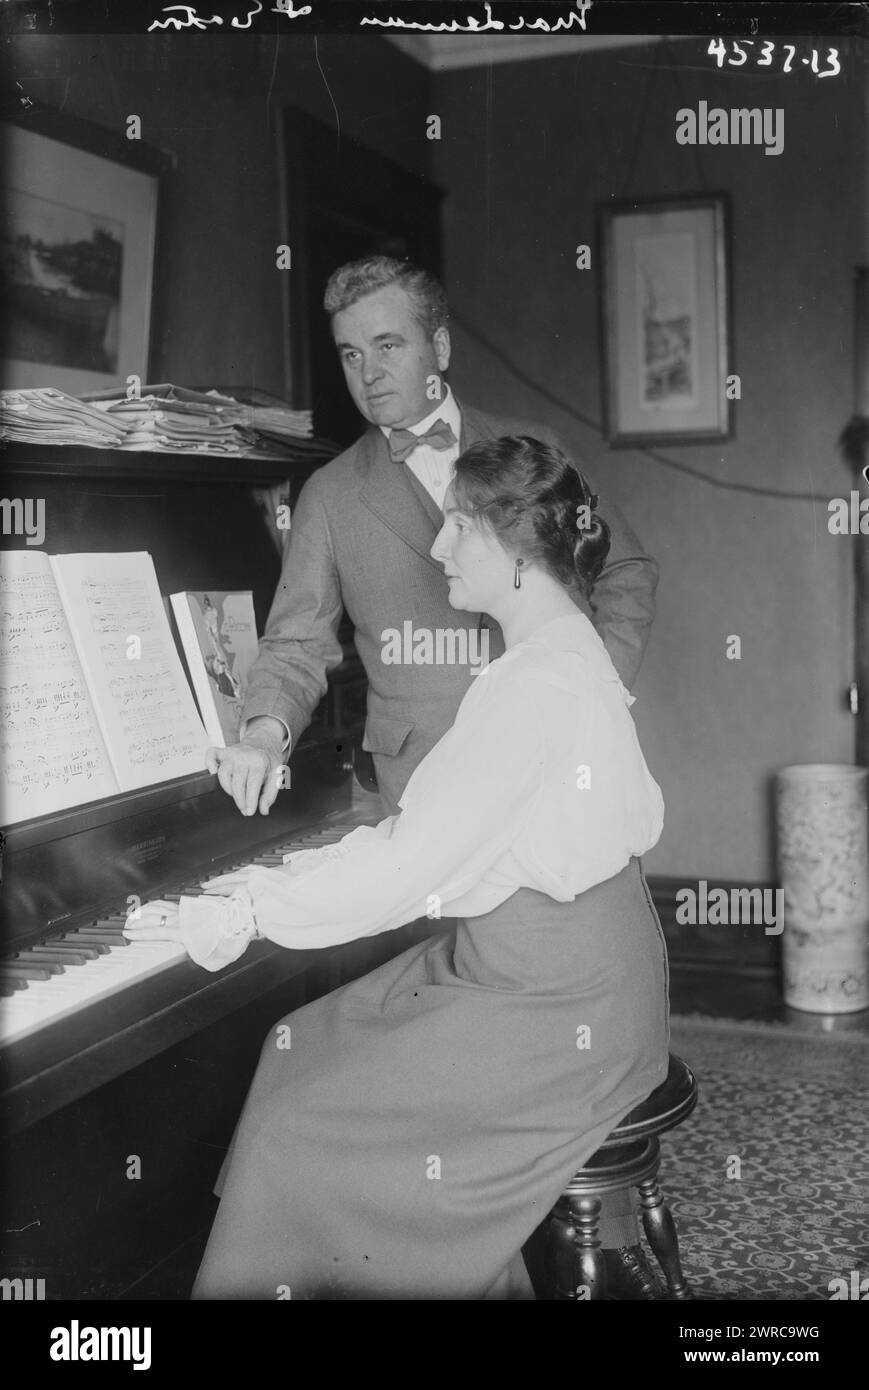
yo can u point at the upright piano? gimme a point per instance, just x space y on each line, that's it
124 1066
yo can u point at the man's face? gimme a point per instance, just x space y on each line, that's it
388 359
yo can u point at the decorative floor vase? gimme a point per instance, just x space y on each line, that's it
823 855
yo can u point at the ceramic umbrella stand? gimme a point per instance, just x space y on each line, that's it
823 855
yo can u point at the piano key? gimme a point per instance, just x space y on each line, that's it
71 940
65 948
108 938
80 989
25 958
10 971
43 1004
54 984
46 991
43 957
30 1004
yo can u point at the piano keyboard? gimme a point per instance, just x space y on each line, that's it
63 975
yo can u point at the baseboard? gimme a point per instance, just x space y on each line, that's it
742 949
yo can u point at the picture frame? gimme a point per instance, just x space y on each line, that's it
78 239
665 320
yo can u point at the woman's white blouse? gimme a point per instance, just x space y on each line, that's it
540 783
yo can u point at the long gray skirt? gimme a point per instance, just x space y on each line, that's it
424 1119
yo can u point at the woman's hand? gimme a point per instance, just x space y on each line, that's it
213 936
156 921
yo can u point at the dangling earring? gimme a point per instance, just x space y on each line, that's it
517 583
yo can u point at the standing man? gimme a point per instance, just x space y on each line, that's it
362 531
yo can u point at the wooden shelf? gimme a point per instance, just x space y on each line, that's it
73 460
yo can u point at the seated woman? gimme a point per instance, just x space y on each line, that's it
405 1135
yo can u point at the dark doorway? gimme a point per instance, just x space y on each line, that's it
345 202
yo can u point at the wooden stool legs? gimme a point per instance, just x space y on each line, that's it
574 1255
661 1234
575 1265
575 1252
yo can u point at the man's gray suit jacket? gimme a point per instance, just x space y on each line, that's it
361 533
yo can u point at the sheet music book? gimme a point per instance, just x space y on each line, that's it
93 698
218 633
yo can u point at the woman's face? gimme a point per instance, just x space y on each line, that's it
479 571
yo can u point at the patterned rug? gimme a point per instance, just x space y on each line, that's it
769 1178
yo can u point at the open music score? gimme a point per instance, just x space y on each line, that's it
144 704
93 697
53 753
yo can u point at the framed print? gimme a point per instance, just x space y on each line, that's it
665 329
77 241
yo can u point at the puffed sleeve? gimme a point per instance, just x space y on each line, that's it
216 931
462 808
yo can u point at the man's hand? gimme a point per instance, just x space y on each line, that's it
250 771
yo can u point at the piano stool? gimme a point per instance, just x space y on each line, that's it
628 1158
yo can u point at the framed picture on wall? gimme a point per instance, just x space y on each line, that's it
77 241
665 320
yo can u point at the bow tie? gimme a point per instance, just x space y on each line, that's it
403 442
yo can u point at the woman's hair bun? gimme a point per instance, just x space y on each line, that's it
538 504
591 546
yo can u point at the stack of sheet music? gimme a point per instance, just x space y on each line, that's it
280 422
161 419
175 419
44 415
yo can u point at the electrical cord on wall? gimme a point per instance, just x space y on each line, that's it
593 424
